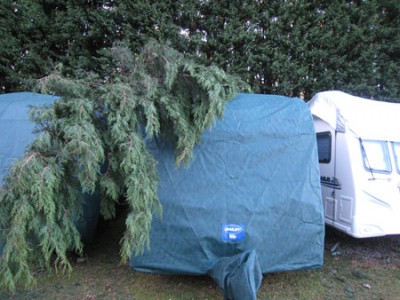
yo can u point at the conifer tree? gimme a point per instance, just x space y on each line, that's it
94 138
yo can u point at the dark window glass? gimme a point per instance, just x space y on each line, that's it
324 142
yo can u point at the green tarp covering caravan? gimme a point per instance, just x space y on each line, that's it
16 135
248 203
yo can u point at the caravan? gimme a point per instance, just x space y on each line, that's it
359 157
249 203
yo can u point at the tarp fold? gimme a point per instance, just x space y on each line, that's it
238 276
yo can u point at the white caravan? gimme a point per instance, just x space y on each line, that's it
359 157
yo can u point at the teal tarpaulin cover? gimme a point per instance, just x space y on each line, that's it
15 126
248 203
16 135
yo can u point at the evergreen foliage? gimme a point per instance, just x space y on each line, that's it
38 35
94 138
279 47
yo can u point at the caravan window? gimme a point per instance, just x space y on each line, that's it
376 156
324 141
396 151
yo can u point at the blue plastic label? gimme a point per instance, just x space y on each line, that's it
232 232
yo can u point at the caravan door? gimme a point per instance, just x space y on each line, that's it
326 141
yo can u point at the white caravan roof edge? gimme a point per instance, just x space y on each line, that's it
367 119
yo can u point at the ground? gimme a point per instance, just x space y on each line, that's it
353 269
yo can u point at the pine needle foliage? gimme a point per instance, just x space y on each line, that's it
94 138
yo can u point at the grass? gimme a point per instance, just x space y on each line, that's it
340 278
100 276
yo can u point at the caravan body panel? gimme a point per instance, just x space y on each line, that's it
359 153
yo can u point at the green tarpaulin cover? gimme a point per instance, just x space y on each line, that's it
15 126
248 203
16 136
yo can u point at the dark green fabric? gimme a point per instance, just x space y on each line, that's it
16 135
15 126
238 276
252 187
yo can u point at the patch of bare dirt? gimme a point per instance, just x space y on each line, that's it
385 248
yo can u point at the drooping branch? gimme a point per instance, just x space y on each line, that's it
93 139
